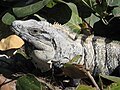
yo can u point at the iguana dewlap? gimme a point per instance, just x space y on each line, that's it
57 44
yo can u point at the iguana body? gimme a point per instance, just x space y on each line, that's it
56 43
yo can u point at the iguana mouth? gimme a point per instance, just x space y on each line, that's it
32 47
23 35
15 30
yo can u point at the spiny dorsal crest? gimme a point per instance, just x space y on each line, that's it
65 29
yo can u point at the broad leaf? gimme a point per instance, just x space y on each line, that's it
113 2
92 20
99 8
116 12
29 82
75 20
115 87
75 70
85 87
5 85
11 42
8 18
74 59
30 9
51 4
112 78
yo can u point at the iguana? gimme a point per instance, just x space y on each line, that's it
57 44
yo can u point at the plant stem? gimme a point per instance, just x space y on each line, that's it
93 81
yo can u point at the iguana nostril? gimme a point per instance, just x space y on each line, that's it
20 26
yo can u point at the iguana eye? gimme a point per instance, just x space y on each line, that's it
35 31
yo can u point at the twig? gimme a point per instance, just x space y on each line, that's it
92 79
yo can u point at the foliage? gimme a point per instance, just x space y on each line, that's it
73 70
29 9
99 8
29 82
11 42
84 87
70 12
115 85
80 15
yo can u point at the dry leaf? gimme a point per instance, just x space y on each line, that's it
11 42
75 71
11 85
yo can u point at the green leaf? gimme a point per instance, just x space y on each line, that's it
116 12
100 9
75 70
85 87
113 2
74 59
8 19
112 78
92 20
115 87
30 9
29 82
51 4
75 20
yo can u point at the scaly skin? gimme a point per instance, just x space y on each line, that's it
57 44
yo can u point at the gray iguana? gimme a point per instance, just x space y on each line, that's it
57 44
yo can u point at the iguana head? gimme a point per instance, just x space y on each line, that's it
50 42
37 29
31 29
